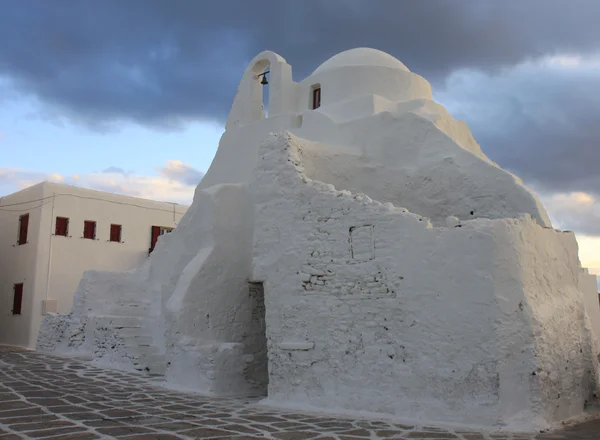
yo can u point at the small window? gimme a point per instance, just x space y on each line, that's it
23 227
62 226
89 229
156 232
17 299
316 97
115 233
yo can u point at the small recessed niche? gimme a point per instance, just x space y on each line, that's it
315 96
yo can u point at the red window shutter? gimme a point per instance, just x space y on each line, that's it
62 226
17 299
154 236
89 229
115 233
23 227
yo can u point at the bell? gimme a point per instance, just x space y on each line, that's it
264 81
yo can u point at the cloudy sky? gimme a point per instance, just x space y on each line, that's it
131 96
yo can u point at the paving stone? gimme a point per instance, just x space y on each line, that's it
17 404
10 436
104 423
85 416
37 426
43 401
54 432
206 422
387 433
146 420
240 429
65 409
40 393
350 437
295 435
154 437
119 431
174 426
264 428
288 425
357 433
118 413
206 432
74 399
264 419
78 436
70 399
429 435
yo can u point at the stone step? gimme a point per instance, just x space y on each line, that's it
140 339
141 350
127 332
121 321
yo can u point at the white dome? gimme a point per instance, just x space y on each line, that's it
362 56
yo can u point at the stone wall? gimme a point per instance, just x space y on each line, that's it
371 308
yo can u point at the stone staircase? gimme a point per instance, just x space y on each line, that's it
127 338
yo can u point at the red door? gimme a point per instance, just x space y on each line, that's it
154 236
23 226
17 299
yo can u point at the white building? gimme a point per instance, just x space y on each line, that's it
354 251
51 233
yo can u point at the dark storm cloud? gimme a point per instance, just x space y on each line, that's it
163 63
541 121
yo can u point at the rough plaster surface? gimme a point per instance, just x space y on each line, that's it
365 256
498 335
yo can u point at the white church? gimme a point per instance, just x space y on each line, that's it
354 251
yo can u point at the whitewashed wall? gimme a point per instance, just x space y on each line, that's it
371 308
52 266
18 265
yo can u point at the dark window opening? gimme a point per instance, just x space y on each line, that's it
115 233
89 229
62 226
156 232
316 98
17 299
23 227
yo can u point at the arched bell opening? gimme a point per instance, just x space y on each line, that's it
261 73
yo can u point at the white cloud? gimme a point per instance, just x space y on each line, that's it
175 182
181 172
575 211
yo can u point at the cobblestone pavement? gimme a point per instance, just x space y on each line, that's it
48 397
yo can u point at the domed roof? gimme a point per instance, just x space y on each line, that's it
362 56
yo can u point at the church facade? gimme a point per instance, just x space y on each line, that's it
352 249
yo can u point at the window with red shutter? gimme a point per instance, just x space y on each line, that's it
17 299
62 226
316 98
154 234
89 229
23 227
115 233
